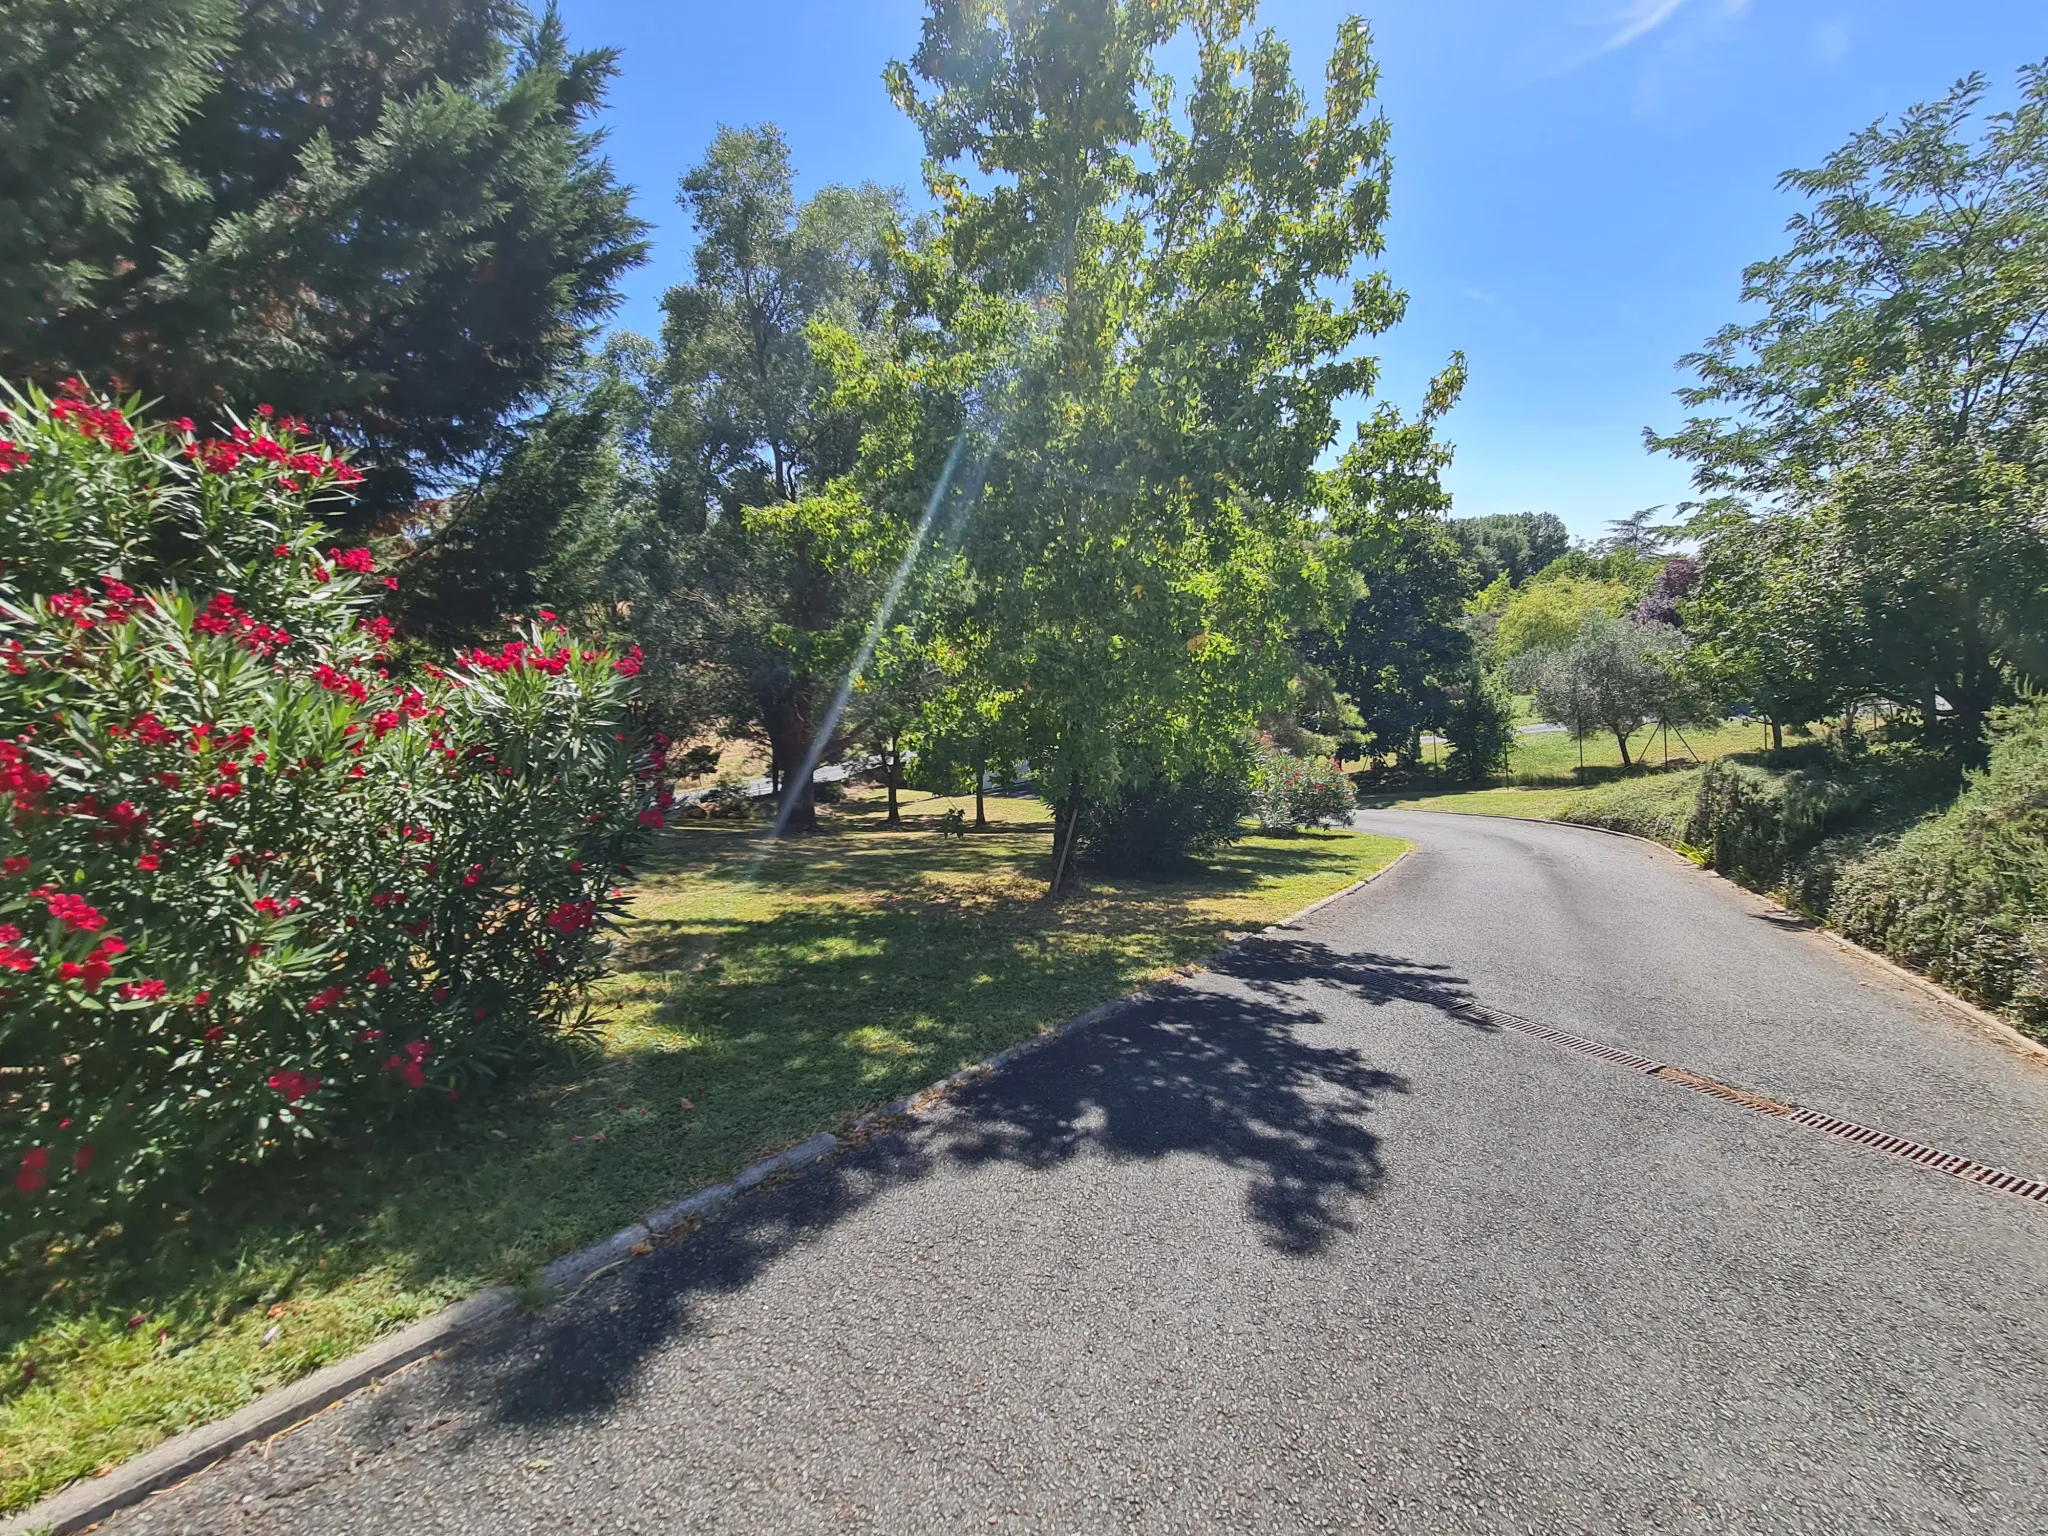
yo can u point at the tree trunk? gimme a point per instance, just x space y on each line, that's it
1777 736
980 811
893 757
1621 740
789 743
1066 825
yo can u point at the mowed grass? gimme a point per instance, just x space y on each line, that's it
762 993
1551 758
1544 783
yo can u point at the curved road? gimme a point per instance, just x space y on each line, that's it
1309 1245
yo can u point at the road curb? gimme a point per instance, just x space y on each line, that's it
192 1451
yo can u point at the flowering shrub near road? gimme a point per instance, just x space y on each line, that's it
1290 792
255 888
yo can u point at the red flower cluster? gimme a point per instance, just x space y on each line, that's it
628 665
516 654
222 617
377 627
339 682
143 991
222 456
97 966
361 561
145 728
412 705
11 457
74 912
325 998
14 955
572 917
17 778
100 421
117 607
410 1063
294 1084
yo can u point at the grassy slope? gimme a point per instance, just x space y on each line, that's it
775 991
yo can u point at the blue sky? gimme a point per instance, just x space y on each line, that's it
1577 186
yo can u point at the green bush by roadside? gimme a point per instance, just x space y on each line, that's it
1963 895
1148 828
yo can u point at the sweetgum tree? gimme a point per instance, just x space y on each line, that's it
254 886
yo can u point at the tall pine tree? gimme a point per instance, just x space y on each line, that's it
389 216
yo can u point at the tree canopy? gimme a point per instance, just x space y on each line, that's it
391 216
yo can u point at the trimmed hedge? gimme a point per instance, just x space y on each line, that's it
1963 896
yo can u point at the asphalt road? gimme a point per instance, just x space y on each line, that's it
1296 1248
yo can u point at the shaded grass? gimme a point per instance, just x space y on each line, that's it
761 993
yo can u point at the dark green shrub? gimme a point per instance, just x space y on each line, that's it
1481 729
1753 822
1156 825
1963 896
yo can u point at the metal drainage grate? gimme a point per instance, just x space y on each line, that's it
1949 1163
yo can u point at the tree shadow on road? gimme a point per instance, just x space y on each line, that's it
1225 1070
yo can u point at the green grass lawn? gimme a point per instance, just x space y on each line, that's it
1552 757
761 994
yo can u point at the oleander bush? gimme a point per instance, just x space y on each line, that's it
1290 792
258 889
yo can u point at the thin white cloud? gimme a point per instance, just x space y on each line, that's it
1639 20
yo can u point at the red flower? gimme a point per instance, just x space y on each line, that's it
650 818
96 967
126 817
410 1063
17 864
147 861
391 582
214 1034
11 457
294 1084
184 425
269 906
380 977
572 916
324 999
201 999
32 1178
14 955
74 912
628 665
360 561
142 991
282 552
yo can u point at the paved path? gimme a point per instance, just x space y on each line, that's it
1299 1249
